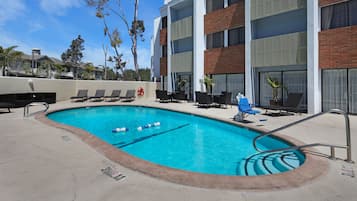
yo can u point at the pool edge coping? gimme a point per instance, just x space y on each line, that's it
313 167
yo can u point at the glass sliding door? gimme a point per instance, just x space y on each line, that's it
183 82
235 85
265 90
334 89
295 82
220 85
352 85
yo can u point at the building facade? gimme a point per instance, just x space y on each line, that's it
309 46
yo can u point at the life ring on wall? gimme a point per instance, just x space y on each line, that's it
140 91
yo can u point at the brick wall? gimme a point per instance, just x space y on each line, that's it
230 17
163 37
338 48
225 60
163 66
329 2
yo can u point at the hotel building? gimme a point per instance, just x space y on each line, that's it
310 46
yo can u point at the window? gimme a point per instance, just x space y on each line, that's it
164 22
236 36
183 45
352 85
334 89
230 2
339 90
353 13
164 51
293 82
339 15
215 40
233 83
212 5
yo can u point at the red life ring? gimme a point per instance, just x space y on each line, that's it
140 91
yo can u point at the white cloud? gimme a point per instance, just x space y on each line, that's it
7 40
58 7
144 57
34 26
10 10
96 56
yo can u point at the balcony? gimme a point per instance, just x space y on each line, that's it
261 9
181 29
182 62
282 50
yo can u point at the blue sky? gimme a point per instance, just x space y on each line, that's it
51 25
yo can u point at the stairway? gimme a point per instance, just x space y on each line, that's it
270 163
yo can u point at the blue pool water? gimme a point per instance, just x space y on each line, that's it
181 141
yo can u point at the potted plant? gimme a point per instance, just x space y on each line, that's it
208 82
275 85
181 85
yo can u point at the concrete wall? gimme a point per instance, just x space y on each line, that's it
338 48
230 17
163 66
156 49
66 88
163 36
225 60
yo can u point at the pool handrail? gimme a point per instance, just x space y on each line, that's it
332 147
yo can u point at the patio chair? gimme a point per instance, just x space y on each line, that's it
244 109
6 105
163 96
82 95
179 96
292 104
115 96
203 99
99 95
129 96
224 98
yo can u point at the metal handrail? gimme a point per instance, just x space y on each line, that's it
332 147
27 107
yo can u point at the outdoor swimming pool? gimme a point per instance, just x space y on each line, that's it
181 141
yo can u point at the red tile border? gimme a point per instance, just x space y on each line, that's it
313 167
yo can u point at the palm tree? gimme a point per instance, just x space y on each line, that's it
7 55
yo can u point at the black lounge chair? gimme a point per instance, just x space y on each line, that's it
99 95
163 96
224 99
6 105
292 104
203 99
179 96
115 96
129 96
82 95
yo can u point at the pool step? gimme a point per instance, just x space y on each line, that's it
269 163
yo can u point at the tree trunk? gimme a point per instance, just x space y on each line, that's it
135 37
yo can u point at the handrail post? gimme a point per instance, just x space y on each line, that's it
333 154
348 138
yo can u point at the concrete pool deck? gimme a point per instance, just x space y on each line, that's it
39 162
